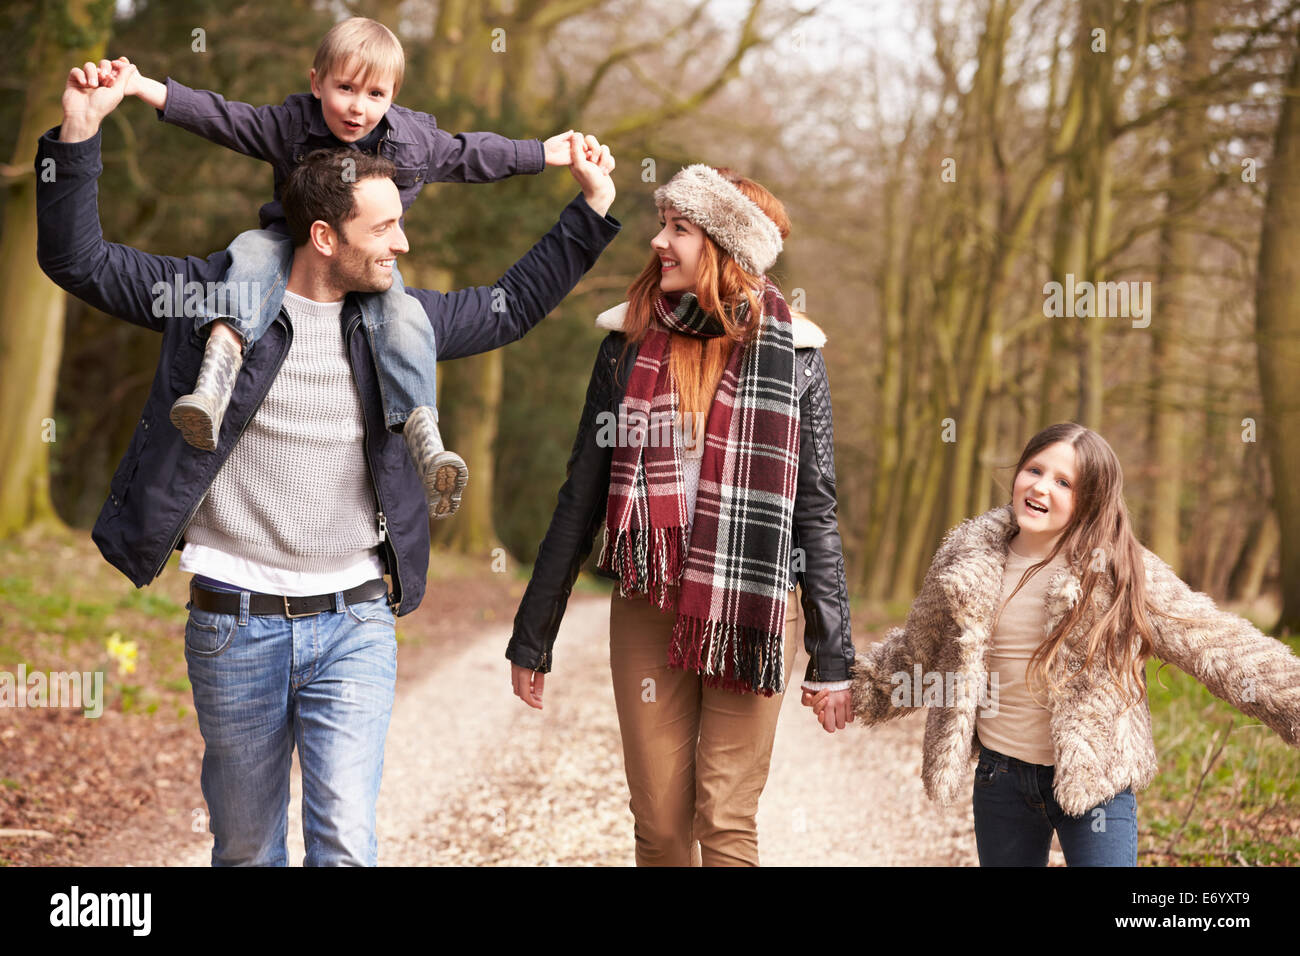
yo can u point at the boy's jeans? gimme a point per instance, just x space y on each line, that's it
264 683
401 337
1015 814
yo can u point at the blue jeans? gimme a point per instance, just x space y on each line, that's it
264 683
401 338
1015 814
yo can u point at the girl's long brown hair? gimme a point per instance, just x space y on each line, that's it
1099 539
720 286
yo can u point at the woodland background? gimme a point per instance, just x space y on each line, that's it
941 161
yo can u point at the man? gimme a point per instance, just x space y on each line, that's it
308 499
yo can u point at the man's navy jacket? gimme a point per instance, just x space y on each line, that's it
161 480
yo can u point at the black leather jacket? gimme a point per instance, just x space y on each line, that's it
817 562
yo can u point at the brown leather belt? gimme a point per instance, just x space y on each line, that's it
223 602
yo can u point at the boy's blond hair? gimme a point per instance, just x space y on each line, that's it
364 44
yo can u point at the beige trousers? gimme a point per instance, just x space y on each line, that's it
696 757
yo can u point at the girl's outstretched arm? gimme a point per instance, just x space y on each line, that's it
1257 674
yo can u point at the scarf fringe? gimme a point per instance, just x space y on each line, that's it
731 656
647 553
645 567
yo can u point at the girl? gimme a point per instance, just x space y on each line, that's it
1059 723
706 447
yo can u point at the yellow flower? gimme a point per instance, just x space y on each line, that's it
124 652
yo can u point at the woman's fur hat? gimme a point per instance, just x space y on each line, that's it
732 219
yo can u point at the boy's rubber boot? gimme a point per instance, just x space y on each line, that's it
443 472
198 415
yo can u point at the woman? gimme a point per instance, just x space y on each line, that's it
706 448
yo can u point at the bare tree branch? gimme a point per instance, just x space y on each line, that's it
679 106
1211 82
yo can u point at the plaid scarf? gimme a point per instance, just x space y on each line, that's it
729 571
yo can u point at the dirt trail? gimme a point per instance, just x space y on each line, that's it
472 776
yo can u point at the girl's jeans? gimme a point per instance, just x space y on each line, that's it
1015 814
401 338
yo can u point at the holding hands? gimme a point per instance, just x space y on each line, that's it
94 90
558 150
91 93
833 708
591 163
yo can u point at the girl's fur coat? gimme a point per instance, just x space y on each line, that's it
1100 748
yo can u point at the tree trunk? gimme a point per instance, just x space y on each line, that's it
914 526
1175 291
1277 317
469 400
469 397
878 537
1067 259
1099 113
31 307
1247 579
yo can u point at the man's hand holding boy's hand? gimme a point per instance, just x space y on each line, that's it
592 175
92 92
559 152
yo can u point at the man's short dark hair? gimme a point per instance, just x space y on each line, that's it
322 187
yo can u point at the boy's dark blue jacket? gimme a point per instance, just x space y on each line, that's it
283 135
161 480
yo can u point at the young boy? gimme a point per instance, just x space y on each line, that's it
358 70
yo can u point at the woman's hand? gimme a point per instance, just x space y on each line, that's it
833 708
528 685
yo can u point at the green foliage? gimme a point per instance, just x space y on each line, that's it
1254 780
18 23
58 612
148 602
60 603
75 32
54 612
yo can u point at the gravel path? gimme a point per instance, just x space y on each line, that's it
474 777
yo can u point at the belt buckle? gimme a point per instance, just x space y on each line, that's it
289 614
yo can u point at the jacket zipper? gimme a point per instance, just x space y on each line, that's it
384 539
195 507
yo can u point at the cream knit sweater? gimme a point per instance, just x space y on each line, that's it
295 492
